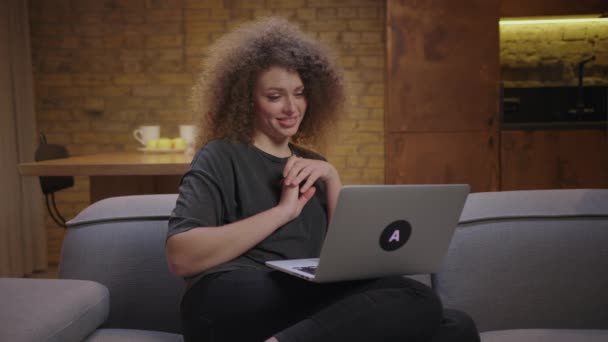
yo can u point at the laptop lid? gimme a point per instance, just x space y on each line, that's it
382 230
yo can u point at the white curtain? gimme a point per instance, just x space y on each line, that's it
22 230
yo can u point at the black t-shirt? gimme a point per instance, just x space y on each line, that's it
228 182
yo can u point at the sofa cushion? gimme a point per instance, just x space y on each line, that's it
545 335
50 309
530 259
120 242
130 335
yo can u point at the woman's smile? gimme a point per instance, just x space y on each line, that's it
288 122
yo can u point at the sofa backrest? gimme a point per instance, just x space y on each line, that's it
530 259
120 243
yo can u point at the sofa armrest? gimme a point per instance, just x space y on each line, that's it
51 309
530 259
120 242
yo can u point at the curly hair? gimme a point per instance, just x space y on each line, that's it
223 95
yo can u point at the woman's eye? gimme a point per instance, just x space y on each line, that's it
273 97
299 94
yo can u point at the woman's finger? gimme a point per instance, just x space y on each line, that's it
295 170
290 162
305 197
310 180
303 174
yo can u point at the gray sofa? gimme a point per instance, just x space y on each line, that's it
526 265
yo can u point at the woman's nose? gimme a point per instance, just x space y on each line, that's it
290 105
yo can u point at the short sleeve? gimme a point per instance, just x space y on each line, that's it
200 199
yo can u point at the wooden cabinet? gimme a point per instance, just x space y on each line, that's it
554 159
442 93
459 157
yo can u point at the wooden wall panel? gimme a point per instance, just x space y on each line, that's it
525 8
426 158
442 93
554 159
443 66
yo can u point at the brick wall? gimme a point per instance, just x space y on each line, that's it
102 68
535 55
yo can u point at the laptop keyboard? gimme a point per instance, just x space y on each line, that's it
307 269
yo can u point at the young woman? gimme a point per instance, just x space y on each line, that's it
254 194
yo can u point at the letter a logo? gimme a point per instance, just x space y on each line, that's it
395 236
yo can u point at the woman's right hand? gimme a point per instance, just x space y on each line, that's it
292 201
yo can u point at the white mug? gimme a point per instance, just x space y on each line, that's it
143 134
188 133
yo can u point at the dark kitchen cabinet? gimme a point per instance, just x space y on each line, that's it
554 159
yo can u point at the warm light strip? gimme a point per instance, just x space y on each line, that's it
551 21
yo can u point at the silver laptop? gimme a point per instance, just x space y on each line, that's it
384 230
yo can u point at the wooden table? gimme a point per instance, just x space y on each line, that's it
118 173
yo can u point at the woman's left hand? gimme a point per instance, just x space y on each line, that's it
299 169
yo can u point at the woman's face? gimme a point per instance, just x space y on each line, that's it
279 104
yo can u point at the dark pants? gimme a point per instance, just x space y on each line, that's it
253 305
